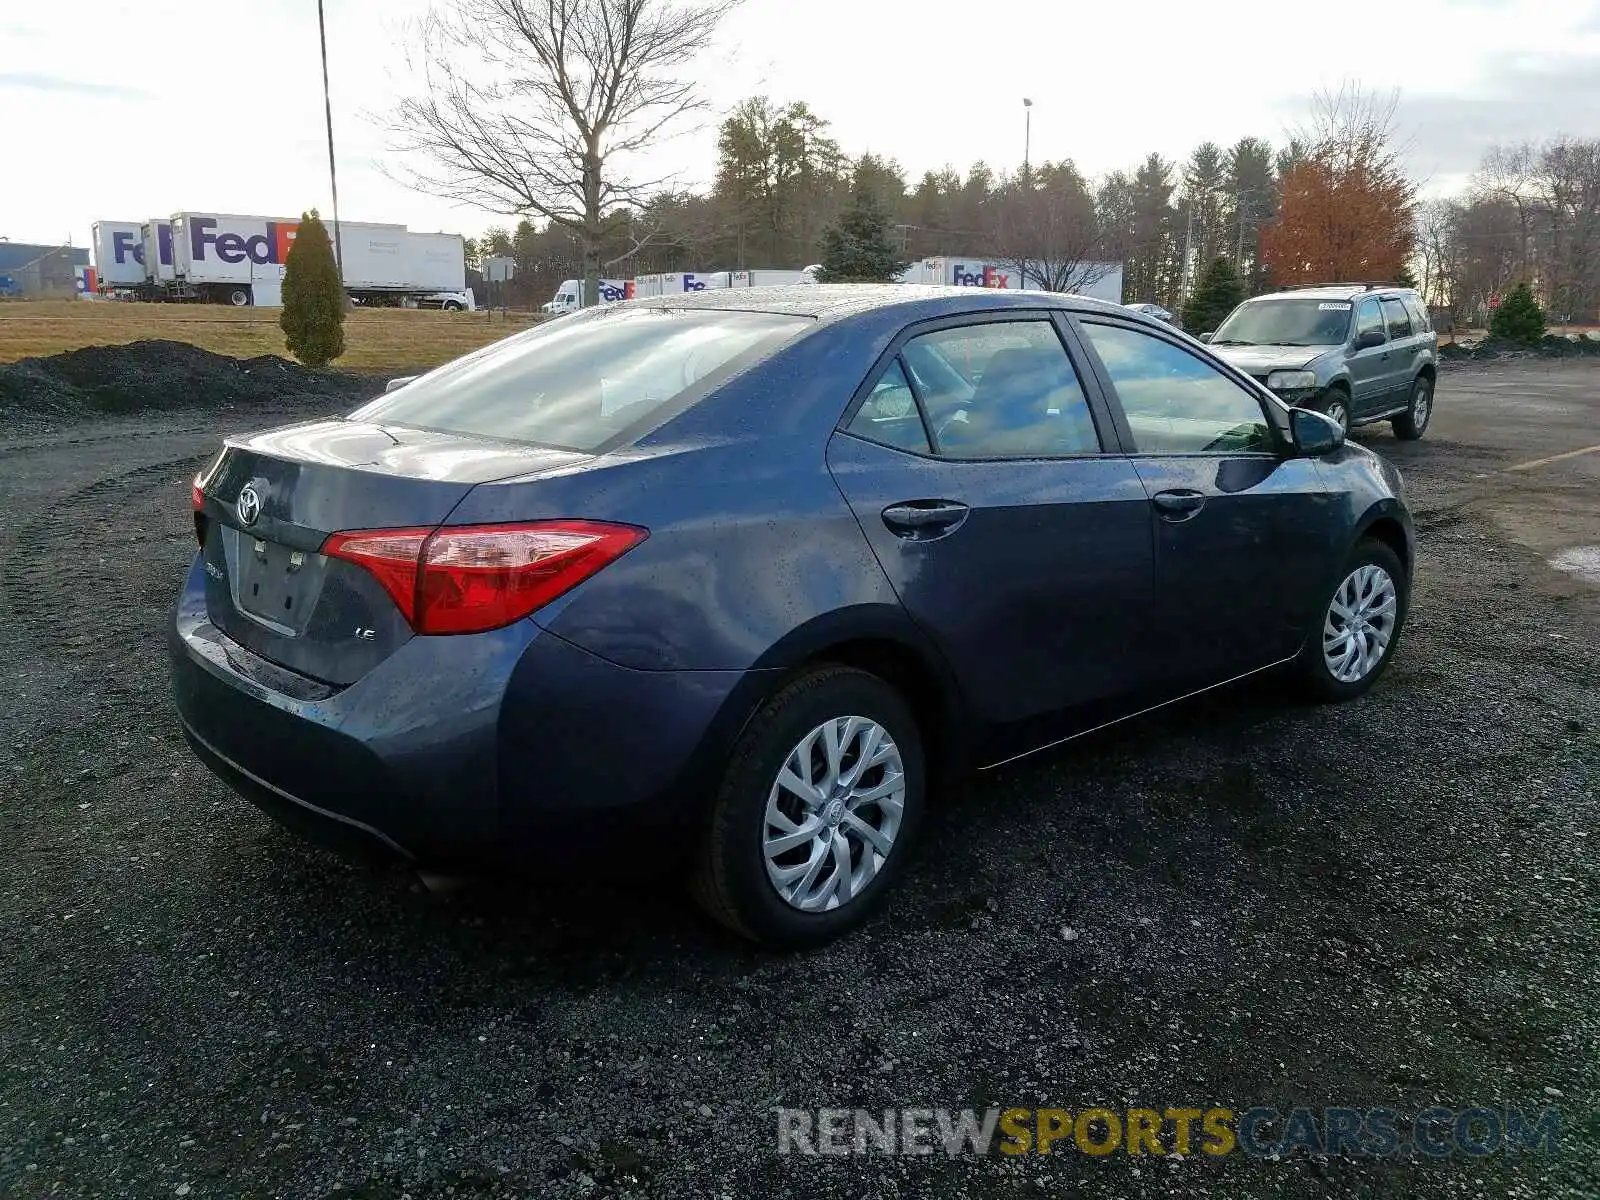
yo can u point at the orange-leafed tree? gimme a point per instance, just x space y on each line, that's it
1347 209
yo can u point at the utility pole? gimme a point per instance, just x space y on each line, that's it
333 173
1027 135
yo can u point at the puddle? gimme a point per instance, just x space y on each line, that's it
1582 561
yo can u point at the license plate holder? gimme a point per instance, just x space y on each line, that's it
276 583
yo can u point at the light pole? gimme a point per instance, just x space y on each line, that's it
333 174
1027 134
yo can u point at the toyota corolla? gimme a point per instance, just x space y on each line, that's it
741 575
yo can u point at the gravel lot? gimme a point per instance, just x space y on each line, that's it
1391 903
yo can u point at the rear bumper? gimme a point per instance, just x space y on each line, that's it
513 747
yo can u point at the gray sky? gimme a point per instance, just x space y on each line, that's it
125 110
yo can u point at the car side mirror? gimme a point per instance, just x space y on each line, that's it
395 384
1370 338
1206 336
1314 433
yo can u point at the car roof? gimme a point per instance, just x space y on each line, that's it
836 301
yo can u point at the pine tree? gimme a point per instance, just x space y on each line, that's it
1218 295
313 296
857 248
1404 277
1519 318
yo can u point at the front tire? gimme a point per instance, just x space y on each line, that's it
816 813
1337 406
1413 423
1358 625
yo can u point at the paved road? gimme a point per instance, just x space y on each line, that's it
1388 903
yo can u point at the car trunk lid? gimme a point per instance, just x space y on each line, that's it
271 502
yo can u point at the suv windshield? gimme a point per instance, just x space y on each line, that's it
578 382
1286 322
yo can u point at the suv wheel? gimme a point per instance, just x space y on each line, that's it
1413 423
1361 621
1337 406
816 812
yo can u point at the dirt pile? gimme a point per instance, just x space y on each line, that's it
159 375
1553 346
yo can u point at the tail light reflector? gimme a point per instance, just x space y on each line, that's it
197 501
472 578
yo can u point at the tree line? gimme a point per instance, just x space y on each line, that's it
534 107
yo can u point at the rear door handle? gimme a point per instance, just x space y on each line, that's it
924 518
1178 505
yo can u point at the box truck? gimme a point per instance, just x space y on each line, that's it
240 260
569 296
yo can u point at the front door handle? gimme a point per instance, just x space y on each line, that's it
1178 505
916 519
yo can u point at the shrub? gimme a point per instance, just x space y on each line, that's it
1519 318
313 296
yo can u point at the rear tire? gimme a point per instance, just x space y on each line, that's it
846 808
1413 423
1356 630
238 297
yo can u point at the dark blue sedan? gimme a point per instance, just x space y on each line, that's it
738 575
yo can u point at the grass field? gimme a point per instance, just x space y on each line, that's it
378 341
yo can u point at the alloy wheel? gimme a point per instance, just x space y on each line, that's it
1341 414
1360 623
1422 404
833 813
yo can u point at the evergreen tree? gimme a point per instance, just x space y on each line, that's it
313 296
1404 277
1218 295
857 248
1519 318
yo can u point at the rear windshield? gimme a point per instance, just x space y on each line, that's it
1306 322
580 381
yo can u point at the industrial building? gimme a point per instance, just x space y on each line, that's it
41 271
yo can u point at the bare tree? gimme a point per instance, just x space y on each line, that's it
524 104
1045 229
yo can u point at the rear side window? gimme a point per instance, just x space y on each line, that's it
1420 322
1399 319
578 382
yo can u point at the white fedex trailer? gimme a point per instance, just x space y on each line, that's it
240 260
118 255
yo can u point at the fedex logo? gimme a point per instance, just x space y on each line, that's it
261 248
985 276
691 284
614 291
128 245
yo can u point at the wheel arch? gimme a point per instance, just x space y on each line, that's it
880 639
1384 524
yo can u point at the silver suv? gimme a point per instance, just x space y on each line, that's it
1360 352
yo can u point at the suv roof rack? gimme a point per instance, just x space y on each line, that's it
1369 286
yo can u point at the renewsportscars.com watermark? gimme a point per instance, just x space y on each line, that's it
1260 1132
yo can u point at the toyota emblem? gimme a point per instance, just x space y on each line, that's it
249 505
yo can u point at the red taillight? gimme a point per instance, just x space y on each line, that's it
469 578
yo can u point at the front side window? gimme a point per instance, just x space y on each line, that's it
889 414
1368 318
578 382
1002 389
1291 322
1176 403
